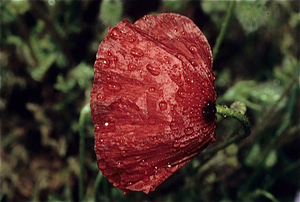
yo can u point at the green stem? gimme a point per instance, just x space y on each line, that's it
83 113
225 111
97 186
223 29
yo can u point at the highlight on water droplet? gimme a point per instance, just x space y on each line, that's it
123 153
143 163
162 105
171 168
114 87
101 97
153 69
115 33
152 89
102 62
131 67
182 93
136 52
120 165
174 125
189 130
101 164
176 143
193 49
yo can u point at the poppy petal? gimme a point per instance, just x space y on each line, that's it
153 100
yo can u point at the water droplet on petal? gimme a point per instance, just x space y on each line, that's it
108 126
162 105
153 69
182 93
176 143
114 87
120 165
152 120
205 129
123 153
101 164
193 49
101 97
195 62
189 130
171 168
136 52
174 125
131 67
102 62
152 89
115 33
143 163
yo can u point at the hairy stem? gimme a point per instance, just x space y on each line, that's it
225 111
223 29
83 113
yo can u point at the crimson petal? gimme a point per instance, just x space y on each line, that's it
153 100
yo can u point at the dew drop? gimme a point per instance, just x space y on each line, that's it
102 62
171 168
101 165
120 165
131 39
115 87
101 97
123 153
162 105
204 84
193 49
108 126
143 163
115 33
152 120
189 130
167 59
200 140
136 52
174 125
153 69
205 129
152 89
182 93
176 143
195 62
131 67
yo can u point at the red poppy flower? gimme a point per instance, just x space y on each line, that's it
153 100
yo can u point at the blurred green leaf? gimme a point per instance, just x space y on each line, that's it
111 12
175 6
251 14
81 75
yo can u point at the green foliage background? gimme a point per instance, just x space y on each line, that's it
48 50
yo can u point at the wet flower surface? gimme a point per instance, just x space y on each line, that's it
153 100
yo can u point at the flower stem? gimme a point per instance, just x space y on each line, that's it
223 29
225 111
84 111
